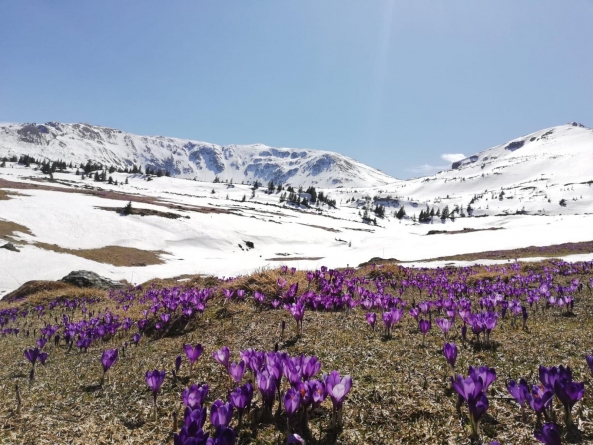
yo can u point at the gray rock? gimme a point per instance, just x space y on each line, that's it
10 246
86 278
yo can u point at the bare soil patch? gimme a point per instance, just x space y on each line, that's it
145 212
115 255
464 230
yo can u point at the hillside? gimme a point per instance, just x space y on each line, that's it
183 158
533 196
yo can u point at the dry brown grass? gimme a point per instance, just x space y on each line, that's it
34 287
554 251
115 255
5 195
8 229
400 393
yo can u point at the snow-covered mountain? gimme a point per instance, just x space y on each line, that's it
528 175
185 158
551 143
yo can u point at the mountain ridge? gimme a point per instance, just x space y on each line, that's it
186 158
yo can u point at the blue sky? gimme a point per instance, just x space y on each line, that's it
394 84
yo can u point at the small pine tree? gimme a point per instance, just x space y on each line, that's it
244 198
127 209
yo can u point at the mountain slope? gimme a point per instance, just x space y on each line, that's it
531 174
185 158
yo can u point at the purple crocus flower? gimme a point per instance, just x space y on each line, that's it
372 318
471 390
488 375
222 356
41 341
267 387
43 357
424 326
32 355
193 437
589 360
549 435
548 376
569 393
196 416
337 388
539 398
292 402
193 354
241 398
318 392
467 387
520 392
136 339
450 353
388 322
221 413
195 396
444 324
295 439
223 435
259 297
310 366
154 380
108 359
297 311
236 371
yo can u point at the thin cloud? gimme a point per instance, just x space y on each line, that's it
452 157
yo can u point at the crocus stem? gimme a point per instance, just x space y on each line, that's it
155 409
474 426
